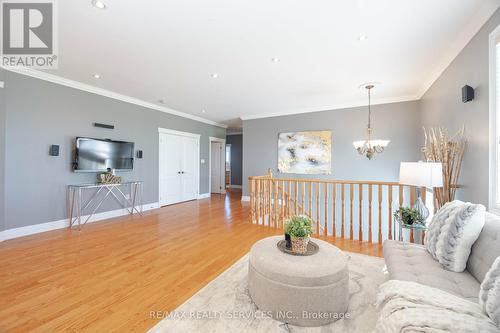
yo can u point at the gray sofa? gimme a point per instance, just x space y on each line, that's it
410 262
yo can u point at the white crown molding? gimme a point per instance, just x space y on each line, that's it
332 107
64 223
175 132
103 92
234 133
477 21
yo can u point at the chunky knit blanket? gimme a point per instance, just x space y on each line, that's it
412 307
489 294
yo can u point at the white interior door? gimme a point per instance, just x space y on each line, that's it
217 167
179 169
189 169
170 169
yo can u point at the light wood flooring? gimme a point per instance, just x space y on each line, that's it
109 276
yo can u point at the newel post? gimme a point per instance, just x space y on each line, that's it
270 172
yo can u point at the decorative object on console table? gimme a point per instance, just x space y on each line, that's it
440 147
421 174
109 178
299 228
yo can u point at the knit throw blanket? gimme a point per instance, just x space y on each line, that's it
412 307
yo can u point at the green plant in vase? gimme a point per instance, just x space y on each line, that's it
299 228
409 216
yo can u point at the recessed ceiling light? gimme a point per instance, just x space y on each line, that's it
203 111
96 76
98 4
275 59
362 37
214 75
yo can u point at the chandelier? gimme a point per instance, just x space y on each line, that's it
369 146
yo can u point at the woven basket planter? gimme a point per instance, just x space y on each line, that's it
299 244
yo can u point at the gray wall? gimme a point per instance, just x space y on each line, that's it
35 183
442 105
236 142
398 122
2 153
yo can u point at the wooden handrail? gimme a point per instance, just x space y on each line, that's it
329 181
348 209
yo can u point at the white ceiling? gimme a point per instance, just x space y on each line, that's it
168 49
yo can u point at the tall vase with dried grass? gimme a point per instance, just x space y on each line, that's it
448 150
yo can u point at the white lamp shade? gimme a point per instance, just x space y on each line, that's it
428 174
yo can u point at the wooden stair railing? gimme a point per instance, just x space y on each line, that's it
355 210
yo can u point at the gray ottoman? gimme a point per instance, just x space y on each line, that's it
299 290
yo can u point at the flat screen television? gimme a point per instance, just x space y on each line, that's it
95 155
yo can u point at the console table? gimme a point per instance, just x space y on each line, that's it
101 193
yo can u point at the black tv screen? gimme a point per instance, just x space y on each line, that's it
101 155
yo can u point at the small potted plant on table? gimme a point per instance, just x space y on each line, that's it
409 216
299 228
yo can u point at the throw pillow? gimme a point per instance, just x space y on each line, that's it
458 233
436 224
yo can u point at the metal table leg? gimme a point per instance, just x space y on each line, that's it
71 205
79 208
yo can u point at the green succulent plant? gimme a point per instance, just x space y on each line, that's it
299 226
408 215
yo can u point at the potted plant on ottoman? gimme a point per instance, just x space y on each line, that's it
299 228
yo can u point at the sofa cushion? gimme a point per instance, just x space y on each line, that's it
410 262
486 248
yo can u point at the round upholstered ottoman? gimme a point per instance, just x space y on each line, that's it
299 290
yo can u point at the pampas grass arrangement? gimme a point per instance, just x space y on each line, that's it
440 147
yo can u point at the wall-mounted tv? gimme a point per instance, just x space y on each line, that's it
96 155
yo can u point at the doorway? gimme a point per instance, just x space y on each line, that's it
217 165
179 173
227 180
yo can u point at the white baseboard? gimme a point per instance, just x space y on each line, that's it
203 196
245 198
235 186
42 227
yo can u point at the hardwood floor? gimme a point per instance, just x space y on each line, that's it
111 275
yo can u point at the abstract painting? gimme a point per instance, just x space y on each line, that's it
305 152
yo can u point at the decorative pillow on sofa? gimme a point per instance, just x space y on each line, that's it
453 231
438 221
489 294
458 234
